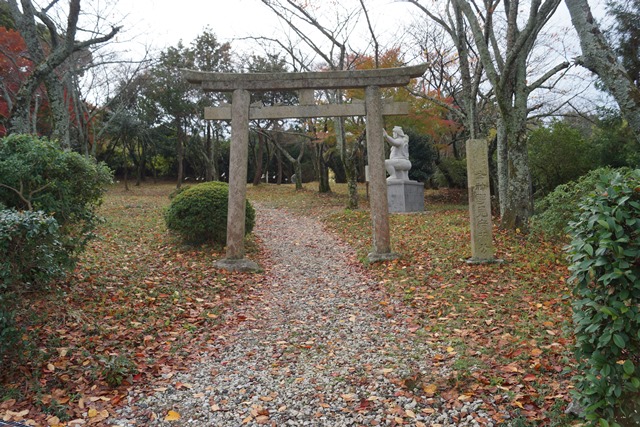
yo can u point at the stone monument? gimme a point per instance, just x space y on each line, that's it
479 202
403 194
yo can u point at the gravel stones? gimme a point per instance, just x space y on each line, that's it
317 350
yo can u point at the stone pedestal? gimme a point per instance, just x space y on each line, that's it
405 196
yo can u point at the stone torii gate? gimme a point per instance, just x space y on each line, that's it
240 112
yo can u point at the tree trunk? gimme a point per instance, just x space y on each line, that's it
257 176
493 176
209 155
214 157
502 161
599 58
126 175
322 171
141 162
352 175
179 152
323 183
59 111
348 161
279 161
518 206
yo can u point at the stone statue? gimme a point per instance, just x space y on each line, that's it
398 164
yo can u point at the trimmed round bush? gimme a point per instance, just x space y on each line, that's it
199 213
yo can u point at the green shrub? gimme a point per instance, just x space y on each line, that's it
605 266
422 154
452 173
177 191
116 368
550 147
31 256
31 252
36 174
199 213
558 208
10 334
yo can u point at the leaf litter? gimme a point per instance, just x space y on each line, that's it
139 296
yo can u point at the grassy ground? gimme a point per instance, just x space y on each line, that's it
141 304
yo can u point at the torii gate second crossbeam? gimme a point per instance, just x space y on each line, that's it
240 112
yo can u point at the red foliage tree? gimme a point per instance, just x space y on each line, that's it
15 66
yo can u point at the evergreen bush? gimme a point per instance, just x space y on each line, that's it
452 173
31 250
199 213
31 256
37 175
10 334
558 208
605 265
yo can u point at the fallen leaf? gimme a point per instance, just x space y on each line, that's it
430 389
172 416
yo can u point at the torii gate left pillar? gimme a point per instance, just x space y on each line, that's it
240 112
238 166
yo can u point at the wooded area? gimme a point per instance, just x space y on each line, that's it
482 78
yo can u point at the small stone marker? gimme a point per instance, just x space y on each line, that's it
479 202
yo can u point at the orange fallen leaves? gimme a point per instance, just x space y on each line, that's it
172 416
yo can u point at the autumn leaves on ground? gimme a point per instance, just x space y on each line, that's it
140 304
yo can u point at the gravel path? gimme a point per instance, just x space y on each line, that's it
317 350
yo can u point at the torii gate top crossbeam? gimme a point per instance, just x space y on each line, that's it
352 79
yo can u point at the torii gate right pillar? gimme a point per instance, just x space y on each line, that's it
377 178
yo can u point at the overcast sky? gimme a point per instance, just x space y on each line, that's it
163 23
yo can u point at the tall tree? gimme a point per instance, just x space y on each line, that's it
210 55
173 97
599 57
48 56
505 60
456 73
